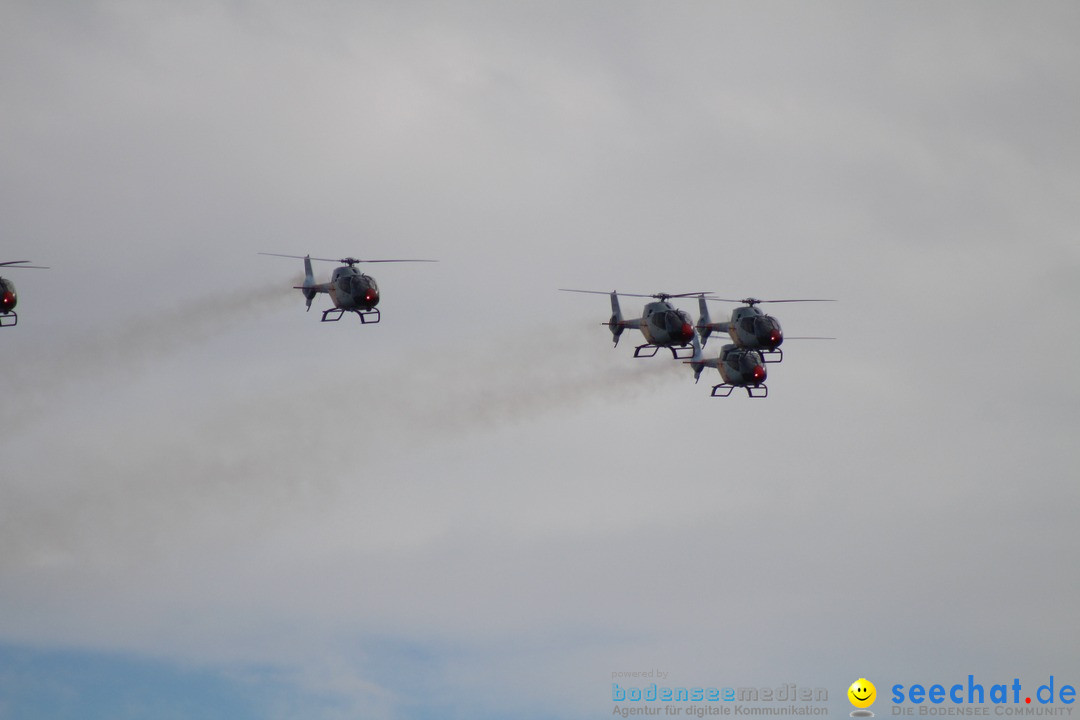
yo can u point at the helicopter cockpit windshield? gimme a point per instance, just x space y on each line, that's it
766 324
767 331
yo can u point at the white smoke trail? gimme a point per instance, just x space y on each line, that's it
32 386
247 465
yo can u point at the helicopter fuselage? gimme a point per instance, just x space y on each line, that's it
741 366
352 290
665 325
752 329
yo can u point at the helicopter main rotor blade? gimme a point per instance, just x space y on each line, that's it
21 264
641 295
308 257
800 300
755 301
297 257
339 260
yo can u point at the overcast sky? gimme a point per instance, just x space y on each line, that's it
216 506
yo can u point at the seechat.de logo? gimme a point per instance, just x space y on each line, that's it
862 694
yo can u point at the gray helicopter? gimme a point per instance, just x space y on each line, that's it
739 367
662 324
749 327
349 289
8 298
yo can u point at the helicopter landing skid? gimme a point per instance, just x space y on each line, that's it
772 356
724 389
642 351
367 317
12 317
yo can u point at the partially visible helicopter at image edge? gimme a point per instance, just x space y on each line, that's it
8 298
349 289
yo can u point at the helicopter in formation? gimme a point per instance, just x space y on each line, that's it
749 327
739 367
755 337
662 324
8 298
349 289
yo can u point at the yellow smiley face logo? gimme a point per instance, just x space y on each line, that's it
862 693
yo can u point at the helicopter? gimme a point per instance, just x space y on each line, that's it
662 324
8 298
739 367
749 327
349 289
